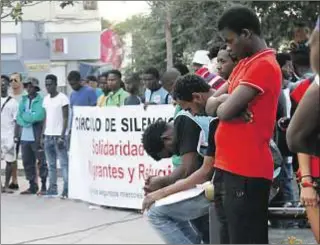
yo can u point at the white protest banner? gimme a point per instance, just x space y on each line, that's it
108 165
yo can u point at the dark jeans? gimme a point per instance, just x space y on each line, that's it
242 208
30 157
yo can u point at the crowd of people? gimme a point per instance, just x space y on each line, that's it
246 113
269 105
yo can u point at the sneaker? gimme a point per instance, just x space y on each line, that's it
13 186
51 194
30 191
64 195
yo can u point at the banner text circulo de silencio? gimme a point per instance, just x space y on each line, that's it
128 124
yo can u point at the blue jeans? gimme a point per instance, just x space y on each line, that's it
53 152
174 222
287 179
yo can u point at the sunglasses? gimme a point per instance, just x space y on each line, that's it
13 80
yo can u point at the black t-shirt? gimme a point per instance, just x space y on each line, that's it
211 142
187 134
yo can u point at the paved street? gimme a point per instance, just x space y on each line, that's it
31 219
35 220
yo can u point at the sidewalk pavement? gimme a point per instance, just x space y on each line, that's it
35 220
30 218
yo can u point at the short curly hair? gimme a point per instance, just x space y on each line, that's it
189 84
239 17
152 71
152 139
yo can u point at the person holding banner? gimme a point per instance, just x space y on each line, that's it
155 94
132 85
117 95
103 83
81 95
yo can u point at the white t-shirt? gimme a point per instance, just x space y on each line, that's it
54 114
317 78
8 117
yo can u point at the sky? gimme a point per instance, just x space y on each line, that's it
117 11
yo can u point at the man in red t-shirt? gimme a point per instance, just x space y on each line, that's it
243 159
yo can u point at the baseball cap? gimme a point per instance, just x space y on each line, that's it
33 81
201 57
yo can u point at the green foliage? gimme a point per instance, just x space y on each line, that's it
194 26
278 18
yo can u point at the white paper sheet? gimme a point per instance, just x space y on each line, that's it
181 196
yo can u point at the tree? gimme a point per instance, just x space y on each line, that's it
278 18
194 26
14 8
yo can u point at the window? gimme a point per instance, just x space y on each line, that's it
8 44
90 5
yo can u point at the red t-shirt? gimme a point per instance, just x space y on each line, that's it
243 148
315 166
297 95
300 90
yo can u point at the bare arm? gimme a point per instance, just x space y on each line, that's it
44 123
65 115
189 164
222 90
199 177
304 164
213 104
303 131
237 102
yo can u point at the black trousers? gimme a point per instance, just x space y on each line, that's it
30 156
241 205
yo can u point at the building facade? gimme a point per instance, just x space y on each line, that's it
51 40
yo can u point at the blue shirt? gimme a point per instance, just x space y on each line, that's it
27 133
160 96
85 96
